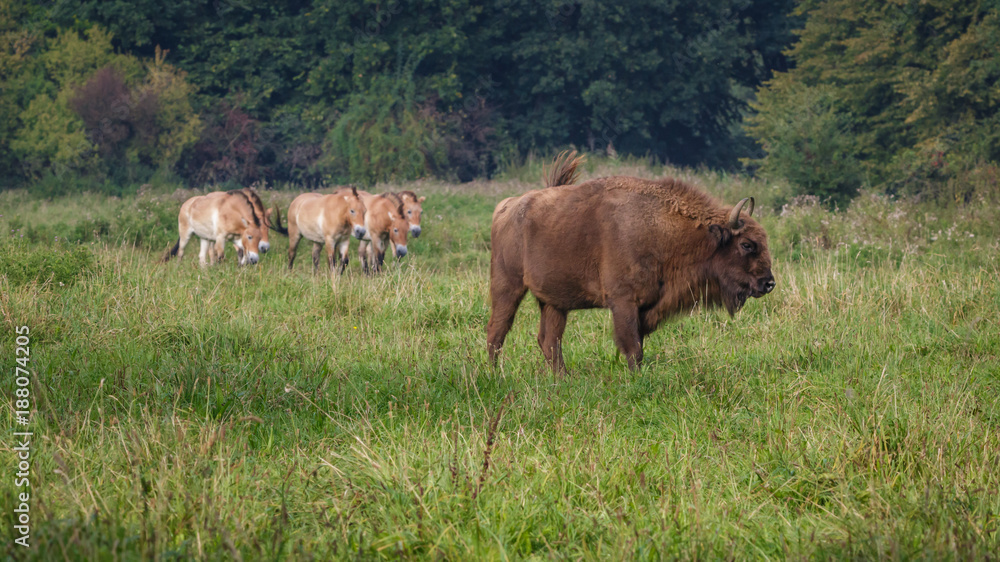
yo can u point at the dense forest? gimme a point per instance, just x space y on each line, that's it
828 95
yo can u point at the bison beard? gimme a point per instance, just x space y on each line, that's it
647 250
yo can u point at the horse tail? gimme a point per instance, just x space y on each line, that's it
277 223
172 251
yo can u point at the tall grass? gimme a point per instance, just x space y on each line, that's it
260 413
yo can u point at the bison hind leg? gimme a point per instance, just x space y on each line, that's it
628 337
505 298
550 333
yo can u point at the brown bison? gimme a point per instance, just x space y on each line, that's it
645 249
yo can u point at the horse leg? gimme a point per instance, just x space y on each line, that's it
185 237
317 246
376 254
345 247
204 255
220 249
363 254
331 252
550 332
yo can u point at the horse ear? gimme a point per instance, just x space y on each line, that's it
354 190
346 198
245 223
421 200
400 209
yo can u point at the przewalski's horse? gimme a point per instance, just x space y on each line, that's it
326 219
411 210
270 218
386 225
217 217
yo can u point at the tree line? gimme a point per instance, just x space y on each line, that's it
830 95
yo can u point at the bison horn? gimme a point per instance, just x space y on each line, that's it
734 216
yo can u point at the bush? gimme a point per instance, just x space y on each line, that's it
228 150
58 263
808 142
386 135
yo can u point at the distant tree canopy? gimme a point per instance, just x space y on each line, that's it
899 94
362 90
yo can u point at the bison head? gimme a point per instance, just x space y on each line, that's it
741 263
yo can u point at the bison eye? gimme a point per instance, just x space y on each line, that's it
747 246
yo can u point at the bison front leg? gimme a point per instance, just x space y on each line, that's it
550 333
626 321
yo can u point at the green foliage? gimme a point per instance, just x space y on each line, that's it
500 79
178 125
385 135
808 141
908 92
54 262
69 123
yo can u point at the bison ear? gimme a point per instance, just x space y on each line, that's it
721 234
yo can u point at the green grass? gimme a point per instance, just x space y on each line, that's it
266 414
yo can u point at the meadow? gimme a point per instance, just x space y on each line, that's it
256 413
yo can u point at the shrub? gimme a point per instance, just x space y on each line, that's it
808 142
228 150
386 135
57 263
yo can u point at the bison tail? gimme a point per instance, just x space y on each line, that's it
172 251
277 223
564 169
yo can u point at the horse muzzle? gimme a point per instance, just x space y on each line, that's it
400 250
359 232
264 247
252 257
415 230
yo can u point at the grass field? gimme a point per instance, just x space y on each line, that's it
258 413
